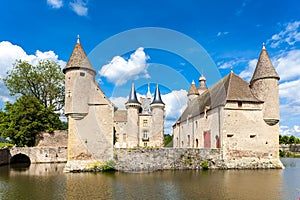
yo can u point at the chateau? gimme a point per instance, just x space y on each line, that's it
95 123
238 117
231 120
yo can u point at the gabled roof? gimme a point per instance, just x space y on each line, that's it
230 88
264 67
78 59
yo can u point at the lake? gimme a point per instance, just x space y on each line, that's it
47 181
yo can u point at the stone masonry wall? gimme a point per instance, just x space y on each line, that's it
153 159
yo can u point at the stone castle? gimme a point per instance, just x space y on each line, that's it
239 117
236 118
95 124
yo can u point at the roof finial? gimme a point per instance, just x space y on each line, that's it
148 92
78 39
263 46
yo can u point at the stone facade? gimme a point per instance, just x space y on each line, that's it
237 117
143 126
153 159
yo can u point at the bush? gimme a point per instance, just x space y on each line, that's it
108 166
204 165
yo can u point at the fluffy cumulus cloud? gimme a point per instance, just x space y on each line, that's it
119 70
80 7
9 53
55 3
289 35
286 130
248 71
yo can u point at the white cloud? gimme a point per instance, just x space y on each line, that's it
248 71
290 35
119 71
288 65
79 7
119 101
222 33
9 53
295 130
55 3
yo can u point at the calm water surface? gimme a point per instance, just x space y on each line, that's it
47 181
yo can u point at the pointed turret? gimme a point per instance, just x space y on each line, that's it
157 97
193 92
79 59
264 85
148 92
158 117
202 84
264 67
132 96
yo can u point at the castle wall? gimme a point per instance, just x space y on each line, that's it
152 159
245 134
157 128
132 127
190 132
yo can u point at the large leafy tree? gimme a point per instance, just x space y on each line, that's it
24 119
45 81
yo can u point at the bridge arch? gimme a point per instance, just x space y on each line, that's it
20 158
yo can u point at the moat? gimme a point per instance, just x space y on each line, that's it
47 181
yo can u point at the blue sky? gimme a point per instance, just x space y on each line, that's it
169 42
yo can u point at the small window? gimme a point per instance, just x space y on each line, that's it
189 139
240 104
145 144
145 122
82 74
252 136
229 135
124 137
145 136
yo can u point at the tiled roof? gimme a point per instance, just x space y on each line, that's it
193 89
78 59
264 67
120 116
230 88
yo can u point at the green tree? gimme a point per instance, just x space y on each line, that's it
168 140
45 81
24 119
285 139
292 140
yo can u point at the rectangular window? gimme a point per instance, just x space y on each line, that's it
145 144
124 137
145 123
82 74
240 104
145 136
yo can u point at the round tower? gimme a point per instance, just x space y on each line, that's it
79 75
202 84
158 116
193 92
133 107
264 85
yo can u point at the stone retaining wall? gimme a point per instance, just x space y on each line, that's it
151 159
290 147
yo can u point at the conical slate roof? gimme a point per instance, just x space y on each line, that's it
264 67
132 96
193 89
157 98
78 59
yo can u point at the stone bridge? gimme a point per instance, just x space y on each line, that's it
37 154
